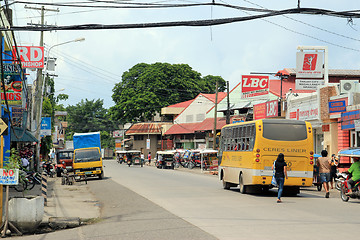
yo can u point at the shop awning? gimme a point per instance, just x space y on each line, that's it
18 135
349 152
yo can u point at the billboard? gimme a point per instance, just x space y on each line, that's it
13 84
45 127
348 118
309 64
30 56
266 110
252 86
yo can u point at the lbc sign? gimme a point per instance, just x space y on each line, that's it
266 110
30 56
252 86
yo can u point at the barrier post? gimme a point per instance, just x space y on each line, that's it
44 187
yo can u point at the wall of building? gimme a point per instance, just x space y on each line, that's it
196 111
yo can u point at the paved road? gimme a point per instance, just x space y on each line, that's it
201 201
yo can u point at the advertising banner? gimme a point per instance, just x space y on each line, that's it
45 127
266 110
30 56
309 64
347 119
252 86
13 85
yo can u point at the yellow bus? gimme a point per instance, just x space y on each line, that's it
249 149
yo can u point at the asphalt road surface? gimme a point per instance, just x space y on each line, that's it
226 214
150 203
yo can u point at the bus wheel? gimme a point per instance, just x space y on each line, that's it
226 185
242 187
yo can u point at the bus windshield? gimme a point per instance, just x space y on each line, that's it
285 131
87 155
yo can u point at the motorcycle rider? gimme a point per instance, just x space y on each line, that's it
354 170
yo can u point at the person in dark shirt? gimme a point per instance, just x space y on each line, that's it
280 174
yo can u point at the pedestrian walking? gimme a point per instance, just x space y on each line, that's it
333 170
280 174
324 164
149 158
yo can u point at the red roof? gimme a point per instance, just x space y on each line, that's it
144 128
182 104
183 128
212 96
208 124
275 87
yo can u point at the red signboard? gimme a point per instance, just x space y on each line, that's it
30 56
252 85
266 110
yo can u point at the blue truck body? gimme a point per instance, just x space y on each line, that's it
87 140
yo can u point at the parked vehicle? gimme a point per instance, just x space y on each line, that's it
49 168
87 160
66 177
134 158
208 159
340 178
345 188
165 159
64 160
178 158
120 156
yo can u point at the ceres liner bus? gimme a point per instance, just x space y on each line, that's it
249 149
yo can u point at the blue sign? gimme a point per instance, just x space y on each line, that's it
337 106
45 127
347 119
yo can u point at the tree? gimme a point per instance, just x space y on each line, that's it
146 88
90 116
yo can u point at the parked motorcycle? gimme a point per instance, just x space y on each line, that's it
49 168
345 188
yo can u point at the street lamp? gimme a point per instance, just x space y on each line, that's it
39 96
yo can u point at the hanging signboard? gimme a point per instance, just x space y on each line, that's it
30 56
305 111
337 106
148 143
308 84
309 64
347 119
266 110
45 127
252 86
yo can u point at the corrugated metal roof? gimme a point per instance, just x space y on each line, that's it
208 124
182 104
183 128
144 128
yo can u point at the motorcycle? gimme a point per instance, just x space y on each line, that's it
129 162
344 192
340 178
49 168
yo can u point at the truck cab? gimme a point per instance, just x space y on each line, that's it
64 160
88 162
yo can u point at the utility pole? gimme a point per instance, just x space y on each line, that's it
36 103
228 104
215 115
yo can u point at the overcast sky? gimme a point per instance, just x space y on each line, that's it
90 69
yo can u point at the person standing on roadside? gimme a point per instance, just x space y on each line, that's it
334 164
324 164
280 174
149 158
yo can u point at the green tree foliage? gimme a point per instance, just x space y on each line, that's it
90 116
146 88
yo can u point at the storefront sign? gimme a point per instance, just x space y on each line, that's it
304 112
148 143
30 56
337 106
266 110
252 86
309 64
13 85
347 119
308 84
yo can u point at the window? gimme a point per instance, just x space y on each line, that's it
285 131
138 137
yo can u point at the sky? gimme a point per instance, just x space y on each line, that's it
91 68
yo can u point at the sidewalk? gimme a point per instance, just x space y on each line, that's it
65 201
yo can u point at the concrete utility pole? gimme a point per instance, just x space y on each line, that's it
36 103
228 104
215 115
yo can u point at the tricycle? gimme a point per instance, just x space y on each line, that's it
165 159
134 156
